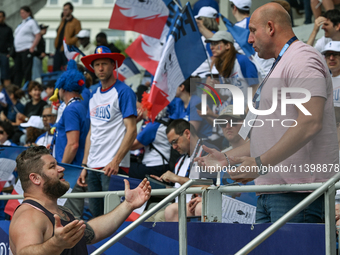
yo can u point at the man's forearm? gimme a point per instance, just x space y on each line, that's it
126 144
47 247
206 32
105 225
241 151
70 153
36 40
87 147
311 38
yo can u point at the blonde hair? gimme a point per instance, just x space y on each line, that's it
210 23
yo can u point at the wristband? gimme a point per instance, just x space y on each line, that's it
227 159
260 166
84 165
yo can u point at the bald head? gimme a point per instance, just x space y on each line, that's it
276 13
270 28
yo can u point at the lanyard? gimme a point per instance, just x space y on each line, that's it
72 100
181 164
257 95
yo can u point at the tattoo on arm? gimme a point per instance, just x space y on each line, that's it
64 215
89 234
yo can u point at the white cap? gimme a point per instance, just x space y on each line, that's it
243 5
34 121
207 11
332 46
219 36
83 34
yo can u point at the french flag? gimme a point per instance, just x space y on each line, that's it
147 50
8 154
183 53
71 175
127 69
240 35
71 51
142 16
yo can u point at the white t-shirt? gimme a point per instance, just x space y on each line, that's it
24 34
107 112
44 139
182 172
154 133
321 43
336 90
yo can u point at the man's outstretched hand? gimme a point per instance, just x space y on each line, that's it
138 196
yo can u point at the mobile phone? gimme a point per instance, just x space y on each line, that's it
153 180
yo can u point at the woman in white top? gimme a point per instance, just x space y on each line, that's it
26 38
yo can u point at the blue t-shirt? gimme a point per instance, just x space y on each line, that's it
11 113
190 114
86 94
73 119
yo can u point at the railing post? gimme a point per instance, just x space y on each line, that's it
182 224
211 205
111 201
330 220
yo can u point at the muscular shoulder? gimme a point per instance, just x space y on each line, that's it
26 215
29 220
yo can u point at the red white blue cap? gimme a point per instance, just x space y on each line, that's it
102 52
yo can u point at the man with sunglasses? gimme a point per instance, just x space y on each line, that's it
48 119
332 56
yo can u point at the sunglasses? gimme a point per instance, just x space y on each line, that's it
334 54
215 43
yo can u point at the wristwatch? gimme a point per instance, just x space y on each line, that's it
262 170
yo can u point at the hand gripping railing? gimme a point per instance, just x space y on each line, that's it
182 223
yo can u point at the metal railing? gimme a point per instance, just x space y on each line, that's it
328 189
181 222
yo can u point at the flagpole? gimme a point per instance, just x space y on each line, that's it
179 6
101 171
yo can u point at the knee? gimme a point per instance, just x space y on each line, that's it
171 212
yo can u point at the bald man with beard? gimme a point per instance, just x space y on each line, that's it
286 154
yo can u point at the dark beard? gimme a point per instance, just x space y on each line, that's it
54 189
